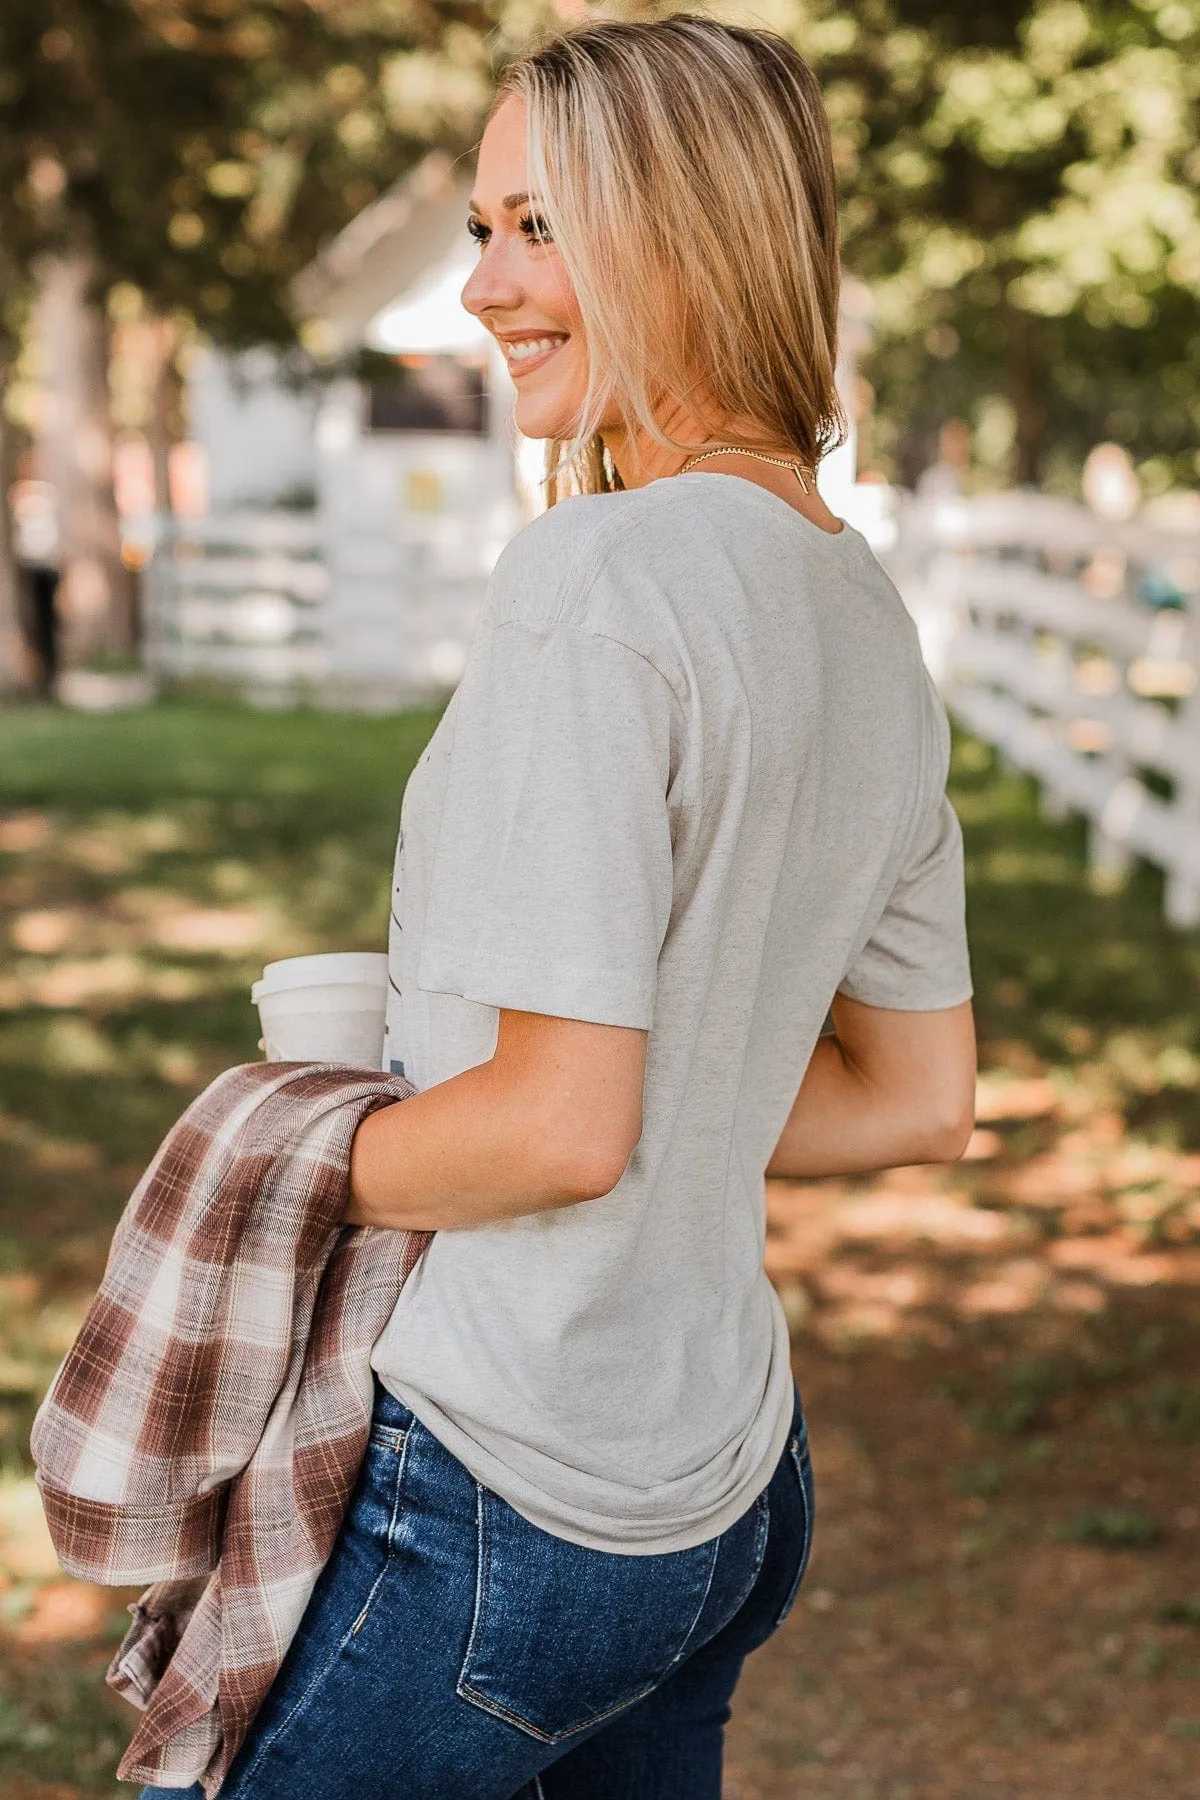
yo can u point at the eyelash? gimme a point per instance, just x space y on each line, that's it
526 223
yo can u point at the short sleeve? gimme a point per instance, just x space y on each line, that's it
916 959
551 884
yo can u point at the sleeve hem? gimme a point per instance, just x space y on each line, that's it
887 999
594 996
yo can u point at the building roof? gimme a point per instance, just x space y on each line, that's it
385 251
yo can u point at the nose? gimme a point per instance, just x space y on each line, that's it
491 285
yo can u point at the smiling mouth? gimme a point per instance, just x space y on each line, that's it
531 353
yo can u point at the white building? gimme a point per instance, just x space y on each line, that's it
354 520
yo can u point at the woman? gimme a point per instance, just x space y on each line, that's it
688 796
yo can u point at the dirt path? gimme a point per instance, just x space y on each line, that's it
954 1639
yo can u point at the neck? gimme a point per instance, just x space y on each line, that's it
639 459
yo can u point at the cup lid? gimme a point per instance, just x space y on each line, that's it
334 967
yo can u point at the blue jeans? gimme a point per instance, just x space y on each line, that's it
453 1651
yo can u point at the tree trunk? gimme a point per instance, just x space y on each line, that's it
163 427
16 675
98 596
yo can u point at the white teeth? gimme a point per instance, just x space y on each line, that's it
533 347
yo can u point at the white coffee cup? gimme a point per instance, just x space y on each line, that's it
324 1008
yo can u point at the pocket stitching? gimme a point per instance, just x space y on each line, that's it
390 1553
793 1592
683 1648
481 1583
762 1527
466 1691
485 1704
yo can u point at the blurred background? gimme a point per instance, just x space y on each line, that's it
256 464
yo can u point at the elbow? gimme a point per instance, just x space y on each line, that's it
585 1169
949 1134
580 1155
591 1173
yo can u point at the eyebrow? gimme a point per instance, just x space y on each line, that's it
508 203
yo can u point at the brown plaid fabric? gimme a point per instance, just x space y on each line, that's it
206 1427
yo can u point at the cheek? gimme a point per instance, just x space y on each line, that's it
550 285
577 369
567 315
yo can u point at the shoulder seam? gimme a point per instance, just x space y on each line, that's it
607 637
581 550
619 525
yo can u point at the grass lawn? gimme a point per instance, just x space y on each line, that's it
998 1358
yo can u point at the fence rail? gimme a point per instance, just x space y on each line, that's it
285 607
1070 643
239 599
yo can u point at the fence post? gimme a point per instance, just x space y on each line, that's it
1108 854
1181 899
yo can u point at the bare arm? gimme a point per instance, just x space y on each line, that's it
891 1088
551 1120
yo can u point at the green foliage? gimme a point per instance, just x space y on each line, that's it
1116 1009
1173 1408
1019 187
57 1724
1151 1659
1019 182
983 1481
1114 1379
1113 1528
279 773
204 151
1182 1612
1030 1386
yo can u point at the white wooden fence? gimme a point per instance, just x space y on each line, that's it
1070 643
238 599
283 609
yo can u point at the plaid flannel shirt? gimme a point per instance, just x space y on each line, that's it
205 1429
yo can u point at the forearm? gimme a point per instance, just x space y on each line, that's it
839 1125
467 1151
848 1120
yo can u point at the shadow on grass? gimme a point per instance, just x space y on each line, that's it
1074 976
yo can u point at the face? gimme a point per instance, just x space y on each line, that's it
521 290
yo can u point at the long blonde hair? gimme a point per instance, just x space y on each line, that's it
685 170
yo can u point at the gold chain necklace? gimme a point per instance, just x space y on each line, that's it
804 475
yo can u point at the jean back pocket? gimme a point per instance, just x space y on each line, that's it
564 1636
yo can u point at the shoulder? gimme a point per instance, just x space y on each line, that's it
603 563
545 570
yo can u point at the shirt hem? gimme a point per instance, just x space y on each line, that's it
626 1538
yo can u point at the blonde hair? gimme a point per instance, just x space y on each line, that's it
684 168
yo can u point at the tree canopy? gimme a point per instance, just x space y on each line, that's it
204 149
1020 191
1019 180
